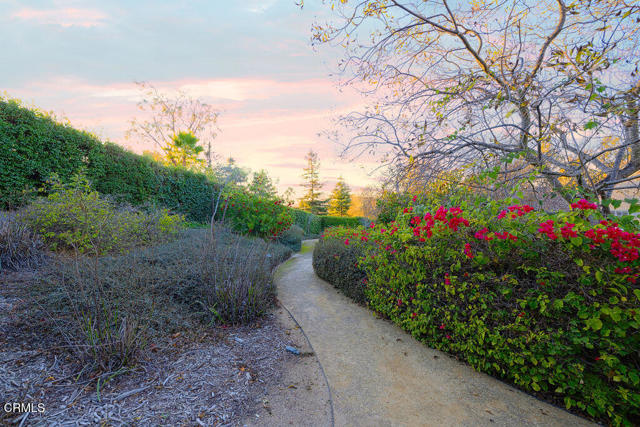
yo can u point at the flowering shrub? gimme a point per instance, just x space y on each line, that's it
255 215
550 303
336 261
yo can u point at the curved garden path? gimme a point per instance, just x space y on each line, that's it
380 376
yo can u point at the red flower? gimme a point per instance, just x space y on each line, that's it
346 242
567 230
547 228
447 281
506 235
442 326
414 315
482 234
584 204
467 251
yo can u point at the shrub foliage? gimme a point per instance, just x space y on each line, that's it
292 238
75 217
310 223
337 263
547 302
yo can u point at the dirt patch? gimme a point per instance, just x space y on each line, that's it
302 396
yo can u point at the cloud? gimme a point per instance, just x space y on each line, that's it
65 17
259 6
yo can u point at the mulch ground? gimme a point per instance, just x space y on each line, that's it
212 376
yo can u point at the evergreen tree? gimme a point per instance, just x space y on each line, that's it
340 199
230 172
262 185
311 200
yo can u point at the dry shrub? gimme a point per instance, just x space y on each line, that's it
19 246
107 308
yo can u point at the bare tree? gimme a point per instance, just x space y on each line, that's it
170 115
536 88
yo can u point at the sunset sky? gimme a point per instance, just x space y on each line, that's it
252 59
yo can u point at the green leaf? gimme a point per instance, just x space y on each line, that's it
594 323
591 124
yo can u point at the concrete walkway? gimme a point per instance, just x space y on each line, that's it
380 376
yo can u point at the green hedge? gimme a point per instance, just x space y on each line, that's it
327 221
548 302
292 238
310 223
34 146
337 263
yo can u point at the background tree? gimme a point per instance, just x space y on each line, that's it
289 196
340 200
184 151
311 200
230 173
525 88
170 115
262 185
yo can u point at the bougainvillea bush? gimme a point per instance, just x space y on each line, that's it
549 302
336 261
248 213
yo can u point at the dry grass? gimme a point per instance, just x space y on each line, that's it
20 248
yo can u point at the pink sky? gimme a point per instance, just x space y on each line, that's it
252 60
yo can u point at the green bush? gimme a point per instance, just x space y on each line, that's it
390 204
550 303
75 217
336 261
248 213
292 238
19 246
310 223
35 146
327 221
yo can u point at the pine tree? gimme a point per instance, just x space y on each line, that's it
340 199
262 185
311 200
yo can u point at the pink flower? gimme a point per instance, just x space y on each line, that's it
346 242
447 281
